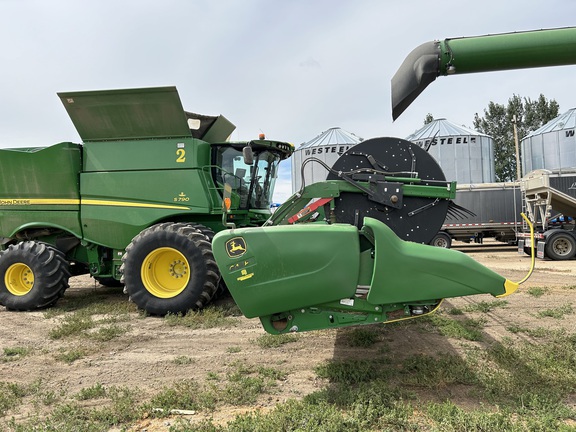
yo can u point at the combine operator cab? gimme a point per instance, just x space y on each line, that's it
251 178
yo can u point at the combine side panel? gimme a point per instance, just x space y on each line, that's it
39 188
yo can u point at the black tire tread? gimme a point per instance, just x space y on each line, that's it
51 274
201 242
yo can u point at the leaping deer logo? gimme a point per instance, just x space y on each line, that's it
235 247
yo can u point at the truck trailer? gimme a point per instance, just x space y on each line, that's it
493 212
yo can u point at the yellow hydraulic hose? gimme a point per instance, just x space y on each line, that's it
531 249
510 286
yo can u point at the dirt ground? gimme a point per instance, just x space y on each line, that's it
144 356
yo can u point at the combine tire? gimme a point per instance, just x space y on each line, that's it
33 275
560 246
221 288
442 240
169 268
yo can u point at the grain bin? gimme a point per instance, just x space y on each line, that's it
551 147
327 147
465 155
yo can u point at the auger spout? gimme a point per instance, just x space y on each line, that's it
519 50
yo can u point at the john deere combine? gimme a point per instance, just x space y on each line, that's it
138 202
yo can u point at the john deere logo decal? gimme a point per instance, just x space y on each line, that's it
236 247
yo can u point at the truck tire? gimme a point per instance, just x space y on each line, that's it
560 246
169 268
33 275
442 240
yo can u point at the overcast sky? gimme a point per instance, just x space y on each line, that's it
290 68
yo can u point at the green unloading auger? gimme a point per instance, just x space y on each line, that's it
520 50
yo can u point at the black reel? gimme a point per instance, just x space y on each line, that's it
413 218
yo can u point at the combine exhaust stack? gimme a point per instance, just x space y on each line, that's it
538 48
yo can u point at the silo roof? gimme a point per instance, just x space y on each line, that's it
442 127
563 121
332 136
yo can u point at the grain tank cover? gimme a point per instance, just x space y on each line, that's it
145 113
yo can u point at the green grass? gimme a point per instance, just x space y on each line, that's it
209 317
537 291
99 301
10 395
349 371
538 332
97 391
466 328
242 385
14 353
517 386
74 324
274 341
70 356
557 313
83 324
183 360
362 337
485 306
107 333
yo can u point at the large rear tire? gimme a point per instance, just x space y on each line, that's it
169 268
561 246
33 275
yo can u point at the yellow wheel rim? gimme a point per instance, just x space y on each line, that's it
19 279
165 272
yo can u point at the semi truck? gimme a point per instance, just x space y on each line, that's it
550 200
136 203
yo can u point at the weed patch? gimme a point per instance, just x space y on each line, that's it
557 313
468 328
209 317
275 341
70 356
537 291
485 306
14 353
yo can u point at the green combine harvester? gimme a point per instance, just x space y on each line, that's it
140 201
137 203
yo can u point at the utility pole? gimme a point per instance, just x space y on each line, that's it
518 170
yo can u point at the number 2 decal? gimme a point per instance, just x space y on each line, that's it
181 153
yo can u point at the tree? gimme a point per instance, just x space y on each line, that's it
428 119
498 123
